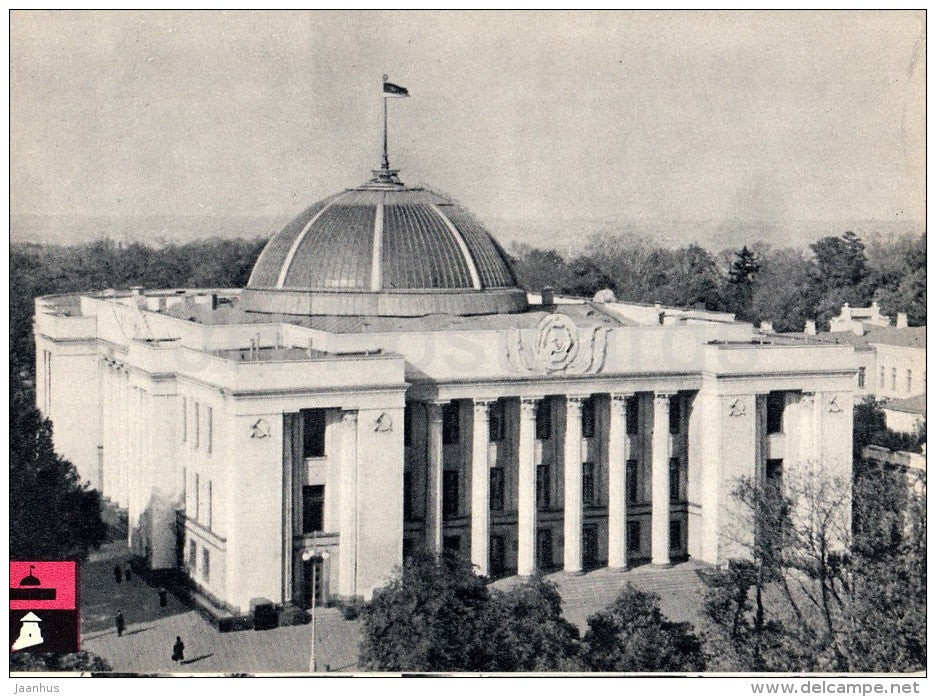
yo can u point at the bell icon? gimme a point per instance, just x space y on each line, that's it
30 634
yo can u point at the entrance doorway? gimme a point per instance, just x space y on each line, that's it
307 583
544 548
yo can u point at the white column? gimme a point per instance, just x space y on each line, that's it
347 517
618 451
660 494
526 499
480 487
434 477
572 477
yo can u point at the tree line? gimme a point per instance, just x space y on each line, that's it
757 282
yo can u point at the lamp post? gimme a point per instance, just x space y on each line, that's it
313 555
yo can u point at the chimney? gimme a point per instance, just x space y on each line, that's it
162 303
214 301
902 320
766 327
846 311
547 297
810 329
136 290
660 313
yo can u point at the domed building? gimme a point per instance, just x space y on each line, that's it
382 385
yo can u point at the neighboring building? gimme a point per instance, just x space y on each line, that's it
913 465
382 384
905 415
859 319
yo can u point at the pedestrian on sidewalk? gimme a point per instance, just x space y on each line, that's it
119 621
118 574
178 650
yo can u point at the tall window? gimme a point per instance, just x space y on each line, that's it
184 419
674 487
774 471
209 425
632 415
195 425
197 487
881 385
313 508
407 495
590 545
632 483
776 402
588 418
497 555
496 422
408 425
542 487
206 563
893 379
450 424
675 404
313 433
544 420
192 554
497 488
449 494
588 483
861 377
633 536
210 503
909 380
675 535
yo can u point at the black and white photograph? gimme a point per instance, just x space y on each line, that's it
526 343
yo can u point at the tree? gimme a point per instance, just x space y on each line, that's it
741 275
82 661
537 268
434 615
632 635
53 516
783 291
537 637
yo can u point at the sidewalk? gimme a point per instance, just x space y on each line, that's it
146 645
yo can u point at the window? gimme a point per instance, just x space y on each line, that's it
450 425
496 555
497 489
776 401
184 419
893 379
408 425
542 487
407 495
588 418
209 425
909 380
632 487
675 535
544 548
313 433
544 421
633 536
449 494
496 422
313 508
210 503
588 483
861 377
774 471
590 545
192 554
408 547
205 562
674 488
195 425
451 544
674 414
197 487
632 416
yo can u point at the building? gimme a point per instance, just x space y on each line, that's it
381 384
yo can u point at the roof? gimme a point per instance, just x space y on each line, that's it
910 337
910 405
375 238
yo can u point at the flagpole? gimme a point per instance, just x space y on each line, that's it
386 160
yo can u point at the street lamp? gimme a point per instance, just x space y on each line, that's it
313 555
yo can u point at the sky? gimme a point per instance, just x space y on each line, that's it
766 116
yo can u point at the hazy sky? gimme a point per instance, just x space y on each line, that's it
706 116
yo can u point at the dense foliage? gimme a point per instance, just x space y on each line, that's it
756 282
83 661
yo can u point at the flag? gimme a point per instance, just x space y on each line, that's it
391 90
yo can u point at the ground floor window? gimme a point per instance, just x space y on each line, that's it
451 544
590 545
542 487
633 536
544 548
206 563
313 508
497 555
675 535
497 489
449 494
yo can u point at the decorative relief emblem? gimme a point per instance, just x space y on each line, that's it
557 345
383 423
834 407
260 429
737 408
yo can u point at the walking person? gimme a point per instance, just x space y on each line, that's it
118 574
178 650
119 621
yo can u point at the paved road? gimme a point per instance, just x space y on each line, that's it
146 646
